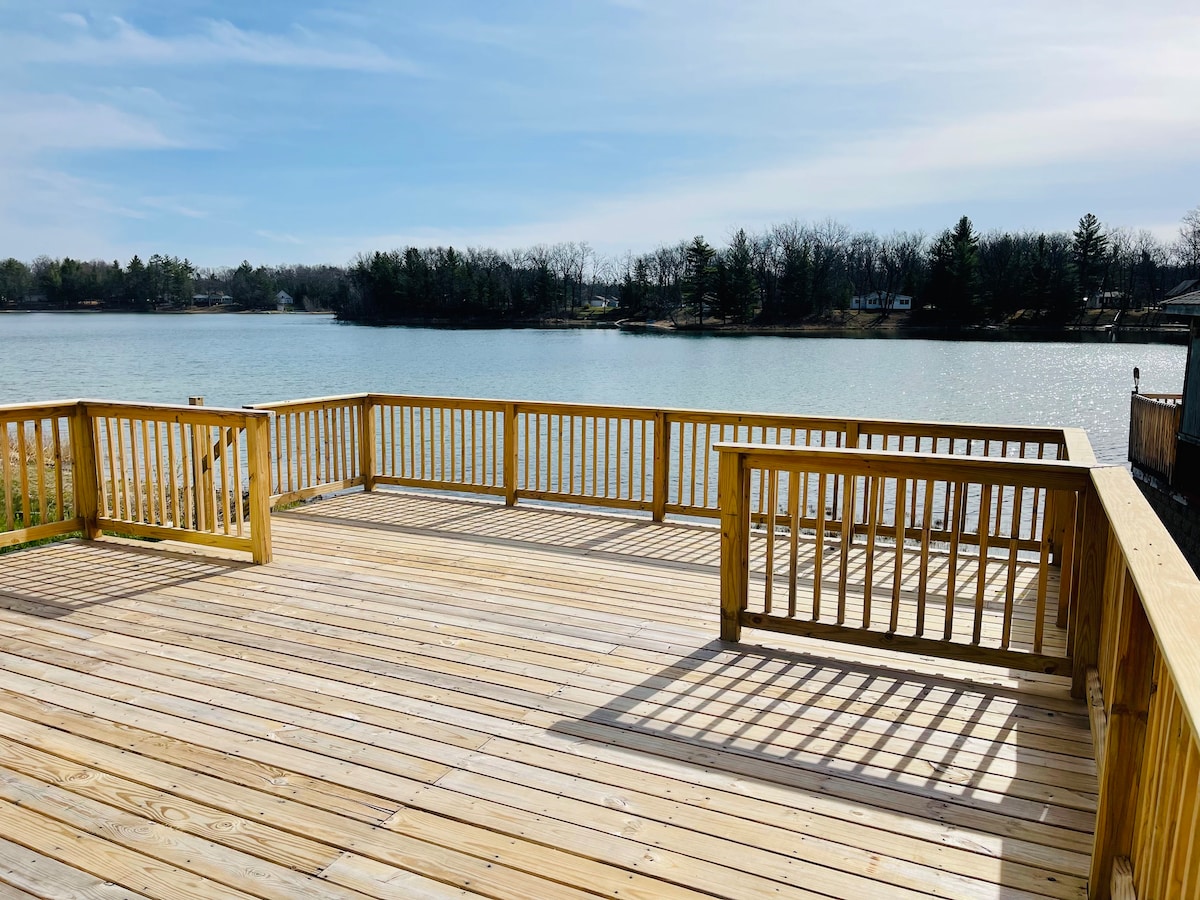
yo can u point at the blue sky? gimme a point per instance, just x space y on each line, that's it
306 132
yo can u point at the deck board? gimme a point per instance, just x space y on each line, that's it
432 698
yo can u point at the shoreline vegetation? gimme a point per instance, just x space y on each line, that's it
1096 282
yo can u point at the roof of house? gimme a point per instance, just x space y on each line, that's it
1187 286
1185 305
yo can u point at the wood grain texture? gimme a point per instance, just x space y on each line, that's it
429 697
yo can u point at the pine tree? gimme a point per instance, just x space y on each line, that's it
699 276
954 272
1089 247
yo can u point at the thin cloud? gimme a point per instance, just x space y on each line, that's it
34 122
215 42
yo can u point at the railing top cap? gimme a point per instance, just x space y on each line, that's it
175 407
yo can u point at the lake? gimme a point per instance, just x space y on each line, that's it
238 359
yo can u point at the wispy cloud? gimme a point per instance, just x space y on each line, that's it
34 122
116 42
277 238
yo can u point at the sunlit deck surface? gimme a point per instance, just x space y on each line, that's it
430 697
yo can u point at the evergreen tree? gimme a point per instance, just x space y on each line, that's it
16 280
954 272
699 276
739 288
1089 247
795 284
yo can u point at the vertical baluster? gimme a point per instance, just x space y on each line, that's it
172 463
241 439
221 481
898 569
558 443
684 428
312 473
1153 833
526 454
985 512
187 515
955 538
620 451
923 575
872 525
201 519
147 473
571 422
40 475
819 546
283 453
847 539
112 502
208 470
708 494
771 476
1014 540
793 504
462 445
126 506
161 480
592 433
425 441
6 472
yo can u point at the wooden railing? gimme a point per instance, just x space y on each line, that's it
661 461
913 551
318 445
37 472
192 474
897 580
1153 426
1139 648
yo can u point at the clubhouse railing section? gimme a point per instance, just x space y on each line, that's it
37 472
661 461
1153 426
187 473
1138 655
914 551
1133 630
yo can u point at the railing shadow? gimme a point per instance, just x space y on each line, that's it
66 577
556 530
965 764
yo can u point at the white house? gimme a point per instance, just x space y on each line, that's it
598 302
284 301
880 300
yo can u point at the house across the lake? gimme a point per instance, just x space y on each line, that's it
881 300
284 301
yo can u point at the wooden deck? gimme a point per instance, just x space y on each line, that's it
423 697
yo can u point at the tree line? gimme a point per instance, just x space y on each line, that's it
786 274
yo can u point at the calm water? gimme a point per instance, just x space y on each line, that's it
232 360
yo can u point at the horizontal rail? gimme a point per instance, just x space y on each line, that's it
662 461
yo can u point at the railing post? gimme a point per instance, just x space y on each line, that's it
366 443
733 499
1129 691
662 463
1089 593
85 476
510 454
258 441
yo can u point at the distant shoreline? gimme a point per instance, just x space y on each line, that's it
851 325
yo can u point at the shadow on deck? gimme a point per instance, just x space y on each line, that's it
428 697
